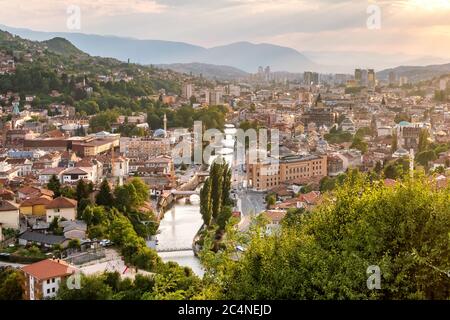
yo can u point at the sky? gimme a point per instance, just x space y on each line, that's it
410 27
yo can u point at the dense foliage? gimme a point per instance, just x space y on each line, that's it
325 255
11 284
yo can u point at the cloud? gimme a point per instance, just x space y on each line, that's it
406 25
90 7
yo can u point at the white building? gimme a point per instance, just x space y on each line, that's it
9 215
61 207
42 279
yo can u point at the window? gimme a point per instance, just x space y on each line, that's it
48 291
53 289
53 280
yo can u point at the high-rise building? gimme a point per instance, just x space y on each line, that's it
267 73
358 76
215 97
315 78
364 78
371 78
188 90
307 78
392 77
310 78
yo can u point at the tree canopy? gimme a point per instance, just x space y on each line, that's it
404 230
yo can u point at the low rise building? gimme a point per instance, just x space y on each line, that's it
9 215
43 279
61 207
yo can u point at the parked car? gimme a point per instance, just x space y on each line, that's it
105 243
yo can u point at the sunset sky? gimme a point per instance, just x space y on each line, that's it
418 27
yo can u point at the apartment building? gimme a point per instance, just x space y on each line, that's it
144 148
265 176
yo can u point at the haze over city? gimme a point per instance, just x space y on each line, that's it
416 31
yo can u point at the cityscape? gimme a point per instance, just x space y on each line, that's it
221 169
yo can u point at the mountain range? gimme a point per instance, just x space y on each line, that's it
417 73
236 60
242 55
209 71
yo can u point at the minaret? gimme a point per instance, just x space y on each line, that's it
411 162
165 125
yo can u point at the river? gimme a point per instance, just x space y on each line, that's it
180 223
177 230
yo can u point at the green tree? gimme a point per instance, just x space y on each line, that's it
55 185
425 157
423 140
92 288
271 199
142 190
54 226
82 190
359 144
74 244
226 185
216 175
205 202
104 196
402 229
12 283
224 217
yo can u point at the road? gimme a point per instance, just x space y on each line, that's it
10 264
249 203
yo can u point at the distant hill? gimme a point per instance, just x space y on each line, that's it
62 46
209 71
37 75
248 56
417 73
242 55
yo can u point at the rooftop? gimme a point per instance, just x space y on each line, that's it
62 202
49 268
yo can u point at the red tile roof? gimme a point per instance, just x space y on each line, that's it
6 205
274 215
62 202
42 200
49 268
